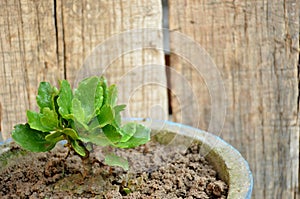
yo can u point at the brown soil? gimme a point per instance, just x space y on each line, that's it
156 171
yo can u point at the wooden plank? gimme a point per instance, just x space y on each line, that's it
27 56
255 45
49 40
111 25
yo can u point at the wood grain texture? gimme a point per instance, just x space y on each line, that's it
255 45
28 56
101 37
49 40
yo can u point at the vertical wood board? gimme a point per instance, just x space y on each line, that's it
28 56
122 40
255 45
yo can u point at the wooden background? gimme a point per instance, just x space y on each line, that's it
254 44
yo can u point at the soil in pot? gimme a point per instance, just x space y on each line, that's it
156 171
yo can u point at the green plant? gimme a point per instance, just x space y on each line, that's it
89 115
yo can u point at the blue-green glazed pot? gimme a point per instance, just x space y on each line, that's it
227 161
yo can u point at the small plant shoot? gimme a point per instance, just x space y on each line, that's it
87 115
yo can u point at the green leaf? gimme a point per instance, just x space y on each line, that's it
128 130
59 135
96 138
49 119
55 136
112 133
81 129
112 95
70 132
118 109
31 139
86 95
94 124
114 160
78 111
64 100
46 94
45 121
79 120
98 98
141 135
78 149
103 84
106 115
34 120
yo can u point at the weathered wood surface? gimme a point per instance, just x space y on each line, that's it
255 45
49 40
28 55
102 37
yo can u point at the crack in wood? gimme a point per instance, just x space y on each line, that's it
56 29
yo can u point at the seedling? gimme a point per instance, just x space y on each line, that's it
89 115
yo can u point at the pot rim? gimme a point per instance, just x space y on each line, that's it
238 176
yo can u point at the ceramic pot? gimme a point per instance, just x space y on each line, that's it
227 161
